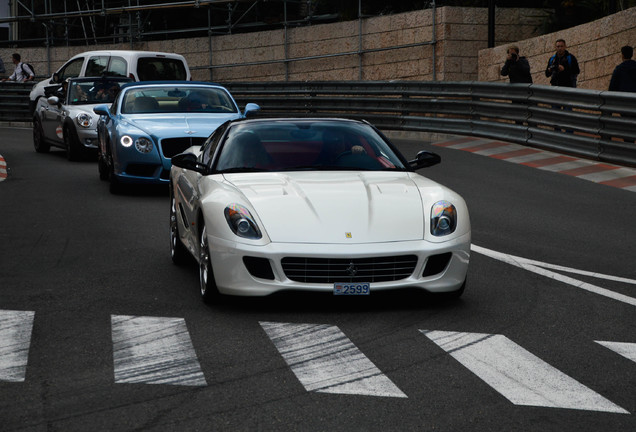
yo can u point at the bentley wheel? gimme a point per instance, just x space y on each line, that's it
209 291
102 166
38 137
178 252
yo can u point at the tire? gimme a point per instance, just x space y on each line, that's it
74 149
114 187
207 285
40 145
102 166
178 252
453 295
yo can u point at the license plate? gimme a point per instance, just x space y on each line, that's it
343 288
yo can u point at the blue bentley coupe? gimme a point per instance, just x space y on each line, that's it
150 122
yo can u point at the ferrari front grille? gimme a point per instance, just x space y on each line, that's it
331 270
174 146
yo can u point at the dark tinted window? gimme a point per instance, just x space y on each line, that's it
96 66
71 70
159 69
117 67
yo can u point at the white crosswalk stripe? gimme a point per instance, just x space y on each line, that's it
324 360
159 350
627 350
517 374
154 350
15 339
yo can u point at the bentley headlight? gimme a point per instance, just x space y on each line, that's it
84 120
443 218
143 145
241 222
126 141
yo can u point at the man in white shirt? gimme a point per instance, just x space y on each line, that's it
22 71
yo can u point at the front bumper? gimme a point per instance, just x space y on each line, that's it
233 277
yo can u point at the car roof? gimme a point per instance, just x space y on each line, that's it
130 53
171 83
102 77
299 119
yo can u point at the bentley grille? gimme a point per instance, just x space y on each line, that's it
174 146
331 270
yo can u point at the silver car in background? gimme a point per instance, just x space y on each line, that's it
65 117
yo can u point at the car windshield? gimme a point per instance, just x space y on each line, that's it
305 145
82 92
182 99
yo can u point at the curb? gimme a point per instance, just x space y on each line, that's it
3 169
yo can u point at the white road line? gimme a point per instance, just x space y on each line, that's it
538 268
324 360
627 350
532 157
15 339
154 350
520 376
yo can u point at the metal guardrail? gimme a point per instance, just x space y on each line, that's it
14 101
599 125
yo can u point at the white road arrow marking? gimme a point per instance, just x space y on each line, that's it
324 360
15 339
517 374
154 350
627 350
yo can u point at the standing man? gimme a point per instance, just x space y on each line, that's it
624 76
517 68
22 71
563 67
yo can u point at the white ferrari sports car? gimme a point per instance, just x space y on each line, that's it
329 205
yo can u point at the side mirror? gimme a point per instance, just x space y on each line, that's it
251 108
101 110
190 162
53 100
425 159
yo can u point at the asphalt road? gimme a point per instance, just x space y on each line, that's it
83 275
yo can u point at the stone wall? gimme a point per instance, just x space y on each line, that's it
268 56
596 45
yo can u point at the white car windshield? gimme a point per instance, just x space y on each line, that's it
184 99
305 145
82 91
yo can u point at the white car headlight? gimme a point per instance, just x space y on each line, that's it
126 141
143 145
241 222
84 120
443 218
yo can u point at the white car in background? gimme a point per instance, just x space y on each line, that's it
136 65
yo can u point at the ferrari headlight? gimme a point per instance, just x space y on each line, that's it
241 222
443 218
143 145
126 141
84 120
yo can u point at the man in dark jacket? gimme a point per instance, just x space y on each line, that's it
624 76
563 67
517 68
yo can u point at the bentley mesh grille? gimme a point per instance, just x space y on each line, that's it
331 270
174 146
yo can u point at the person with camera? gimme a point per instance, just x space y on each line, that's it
563 68
516 68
